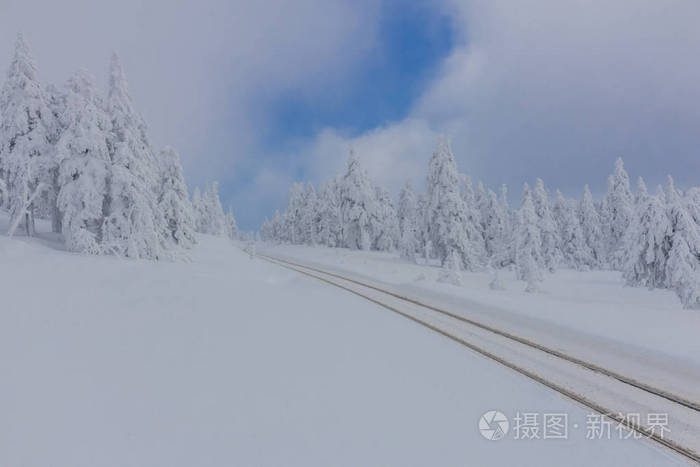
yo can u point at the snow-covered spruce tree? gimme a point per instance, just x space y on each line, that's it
213 218
683 264
425 247
528 244
278 227
509 231
591 228
575 251
174 202
551 253
309 216
481 201
134 226
495 225
329 217
357 205
408 223
84 169
197 209
446 212
293 215
691 201
266 231
473 224
647 242
383 222
231 225
28 132
617 210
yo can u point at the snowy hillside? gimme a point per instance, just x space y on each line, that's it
226 360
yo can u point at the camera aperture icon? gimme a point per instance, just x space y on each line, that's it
493 425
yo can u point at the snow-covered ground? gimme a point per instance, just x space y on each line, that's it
226 360
592 315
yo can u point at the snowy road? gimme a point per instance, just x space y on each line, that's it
624 400
226 360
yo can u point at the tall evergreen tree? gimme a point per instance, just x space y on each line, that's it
28 131
357 205
329 224
135 227
647 242
683 264
551 253
383 222
446 212
231 225
591 228
309 216
495 225
575 251
408 223
84 171
174 202
214 220
617 211
528 244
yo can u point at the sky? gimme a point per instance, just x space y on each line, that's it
258 95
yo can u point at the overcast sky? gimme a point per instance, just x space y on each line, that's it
259 94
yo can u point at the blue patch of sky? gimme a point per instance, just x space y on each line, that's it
414 38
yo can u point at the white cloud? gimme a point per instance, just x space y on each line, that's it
200 71
553 89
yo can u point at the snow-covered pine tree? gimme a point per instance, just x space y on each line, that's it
174 202
617 210
231 225
383 222
509 231
446 217
691 201
425 247
549 234
495 225
134 227
329 223
28 132
214 220
473 225
591 228
647 242
309 216
84 169
408 223
293 215
198 210
266 231
481 204
528 244
357 205
575 251
683 263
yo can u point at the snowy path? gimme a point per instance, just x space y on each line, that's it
230 361
594 389
639 333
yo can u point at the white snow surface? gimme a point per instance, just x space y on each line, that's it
227 360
